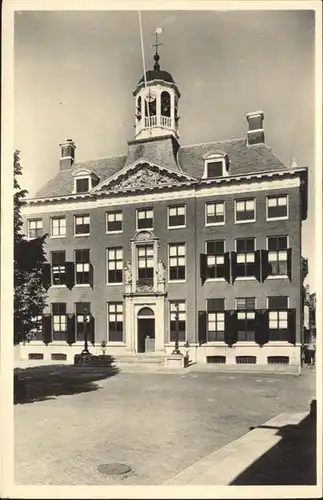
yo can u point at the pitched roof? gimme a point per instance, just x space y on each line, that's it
166 152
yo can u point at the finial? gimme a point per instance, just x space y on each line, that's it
294 164
157 44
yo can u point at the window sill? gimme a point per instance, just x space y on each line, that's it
215 343
247 343
176 281
244 221
277 218
116 344
281 276
82 284
246 278
176 227
210 224
144 229
58 236
80 235
115 284
58 286
211 280
271 343
114 232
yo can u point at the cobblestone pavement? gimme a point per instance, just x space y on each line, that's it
158 424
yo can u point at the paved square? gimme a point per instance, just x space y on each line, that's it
156 423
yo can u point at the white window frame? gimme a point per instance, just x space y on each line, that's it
170 303
115 249
168 215
267 303
106 221
246 278
80 178
112 342
168 260
284 217
207 224
279 276
211 159
235 211
81 234
28 227
277 342
59 218
214 342
205 251
148 209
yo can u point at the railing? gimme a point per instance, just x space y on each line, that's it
151 121
154 121
165 121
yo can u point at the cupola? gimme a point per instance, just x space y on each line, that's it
156 102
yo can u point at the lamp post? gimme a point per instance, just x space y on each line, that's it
85 318
176 349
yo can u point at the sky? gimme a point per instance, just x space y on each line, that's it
75 72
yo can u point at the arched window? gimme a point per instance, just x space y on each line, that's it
150 103
138 109
165 103
146 311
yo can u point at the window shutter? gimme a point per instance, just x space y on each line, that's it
265 266
233 266
230 333
291 325
289 263
262 327
92 330
70 329
202 327
257 265
47 328
227 266
46 276
70 274
91 275
203 265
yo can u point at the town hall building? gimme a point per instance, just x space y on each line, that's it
201 241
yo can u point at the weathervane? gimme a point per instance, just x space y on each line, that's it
157 44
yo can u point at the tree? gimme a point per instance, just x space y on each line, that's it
29 259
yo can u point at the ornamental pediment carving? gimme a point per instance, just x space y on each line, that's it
144 178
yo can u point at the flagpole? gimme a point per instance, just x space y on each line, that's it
144 66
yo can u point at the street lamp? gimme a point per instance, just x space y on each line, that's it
176 349
85 318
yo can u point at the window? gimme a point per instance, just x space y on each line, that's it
82 261
177 261
145 218
35 228
277 255
59 321
278 318
82 185
215 265
214 213
215 320
115 321
246 319
177 313
214 168
145 264
58 226
245 265
58 268
277 207
245 210
115 265
82 224
176 216
82 308
165 103
114 222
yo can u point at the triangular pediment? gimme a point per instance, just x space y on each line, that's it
143 176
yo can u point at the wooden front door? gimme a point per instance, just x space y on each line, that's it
146 334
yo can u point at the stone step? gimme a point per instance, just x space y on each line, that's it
139 358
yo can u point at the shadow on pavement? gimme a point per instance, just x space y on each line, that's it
40 383
292 461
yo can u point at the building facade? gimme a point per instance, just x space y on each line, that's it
200 241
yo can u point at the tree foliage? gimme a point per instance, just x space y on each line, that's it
29 258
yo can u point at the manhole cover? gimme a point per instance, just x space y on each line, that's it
113 469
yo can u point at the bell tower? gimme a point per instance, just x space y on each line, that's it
156 102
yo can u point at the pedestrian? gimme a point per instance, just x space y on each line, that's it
311 350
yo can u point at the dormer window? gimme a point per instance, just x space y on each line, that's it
215 165
84 181
82 185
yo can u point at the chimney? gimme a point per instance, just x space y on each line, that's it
67 154
255 133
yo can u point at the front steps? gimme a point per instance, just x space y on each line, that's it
146 359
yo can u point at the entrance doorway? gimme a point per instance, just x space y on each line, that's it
146 330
